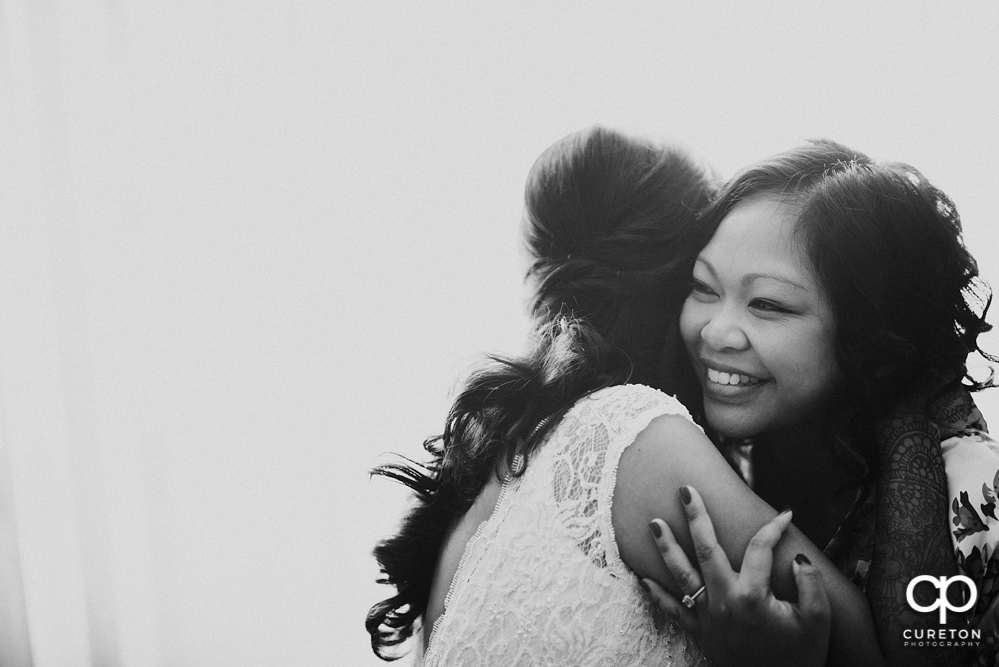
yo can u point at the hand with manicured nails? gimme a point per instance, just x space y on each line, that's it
736 619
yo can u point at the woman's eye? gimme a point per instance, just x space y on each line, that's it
697 287
763 305
701 292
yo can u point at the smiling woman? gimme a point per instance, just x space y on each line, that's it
831 319
759 327
247 247
531 517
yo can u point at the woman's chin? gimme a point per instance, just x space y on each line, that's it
734 426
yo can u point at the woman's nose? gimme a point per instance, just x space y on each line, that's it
724 331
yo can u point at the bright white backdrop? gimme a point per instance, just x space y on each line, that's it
246 248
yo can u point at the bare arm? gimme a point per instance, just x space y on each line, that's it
671 453
736 617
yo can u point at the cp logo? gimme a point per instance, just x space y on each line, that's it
941 584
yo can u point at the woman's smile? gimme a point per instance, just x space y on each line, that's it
757 324
728 387
731 379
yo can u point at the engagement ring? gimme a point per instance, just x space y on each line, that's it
690 600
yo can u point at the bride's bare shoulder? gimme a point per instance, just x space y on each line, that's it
669 453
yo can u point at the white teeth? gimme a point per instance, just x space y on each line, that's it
721 377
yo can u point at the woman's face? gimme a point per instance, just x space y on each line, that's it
758 326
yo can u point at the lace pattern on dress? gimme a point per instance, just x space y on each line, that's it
542 581
517 462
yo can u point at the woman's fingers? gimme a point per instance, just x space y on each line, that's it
813 601
673 608
713 563
759 557
684 574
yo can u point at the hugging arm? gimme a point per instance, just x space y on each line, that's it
672 453
911 536
737 614
911 539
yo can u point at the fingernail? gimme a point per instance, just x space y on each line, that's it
802 559
656 530
645 586
685 495
785 514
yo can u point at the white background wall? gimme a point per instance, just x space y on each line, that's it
246 248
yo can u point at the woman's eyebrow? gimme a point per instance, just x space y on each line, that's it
749 278
707 265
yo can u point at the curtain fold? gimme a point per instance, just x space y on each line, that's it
67 588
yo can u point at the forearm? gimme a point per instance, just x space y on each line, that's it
672 453
911 537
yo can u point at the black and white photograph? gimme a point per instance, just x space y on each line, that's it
526 333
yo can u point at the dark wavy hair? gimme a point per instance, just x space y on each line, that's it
887 247
610 228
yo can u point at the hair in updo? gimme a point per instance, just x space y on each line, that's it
608 226
610 229
887 247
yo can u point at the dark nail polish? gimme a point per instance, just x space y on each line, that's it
801 559
656 530
685 495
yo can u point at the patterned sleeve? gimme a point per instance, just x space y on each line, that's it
971 460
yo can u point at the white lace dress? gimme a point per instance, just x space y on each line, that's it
542 582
